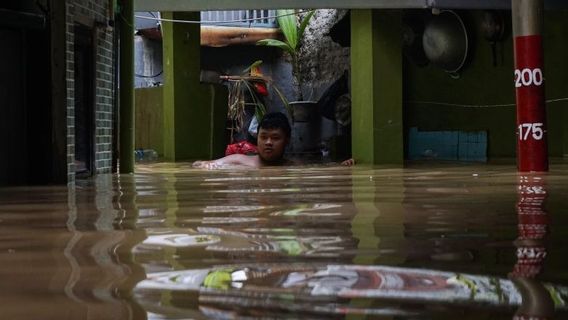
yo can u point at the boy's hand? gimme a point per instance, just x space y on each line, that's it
205 165
349 162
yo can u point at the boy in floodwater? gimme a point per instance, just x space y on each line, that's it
273 136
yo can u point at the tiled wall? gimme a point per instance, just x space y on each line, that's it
447 145
93 13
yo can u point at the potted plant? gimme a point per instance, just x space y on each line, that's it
293 30
246 92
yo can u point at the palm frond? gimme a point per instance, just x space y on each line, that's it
276 43
305 23
287 22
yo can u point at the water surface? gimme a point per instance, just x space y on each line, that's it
430 241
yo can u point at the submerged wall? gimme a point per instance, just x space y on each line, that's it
483 97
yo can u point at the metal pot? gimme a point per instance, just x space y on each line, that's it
306 129
304 111
445 41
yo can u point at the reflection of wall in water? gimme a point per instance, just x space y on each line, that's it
262 215
67 257
461 222
98 249
378 224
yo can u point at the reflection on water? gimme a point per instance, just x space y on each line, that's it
64 253
172 242
539 299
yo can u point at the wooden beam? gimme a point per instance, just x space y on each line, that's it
206 5
214 36
222 36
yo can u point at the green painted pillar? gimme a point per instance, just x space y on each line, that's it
126 130
376 86
192 111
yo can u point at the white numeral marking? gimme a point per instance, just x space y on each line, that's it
528 77
531 129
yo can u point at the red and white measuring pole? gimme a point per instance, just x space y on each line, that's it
532 150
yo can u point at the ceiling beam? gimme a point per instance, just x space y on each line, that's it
470 4
206 5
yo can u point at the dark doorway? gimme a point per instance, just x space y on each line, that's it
84 101
13 126
26 124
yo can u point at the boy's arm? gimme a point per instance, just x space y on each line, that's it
233 159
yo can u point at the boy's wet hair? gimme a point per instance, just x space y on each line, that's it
275 120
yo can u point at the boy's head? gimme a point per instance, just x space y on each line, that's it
273 137
275 120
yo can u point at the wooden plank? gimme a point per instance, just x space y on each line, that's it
214 36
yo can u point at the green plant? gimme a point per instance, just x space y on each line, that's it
247 89
293 31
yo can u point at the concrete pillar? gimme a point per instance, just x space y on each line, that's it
532 148
126 86
194 113
376 86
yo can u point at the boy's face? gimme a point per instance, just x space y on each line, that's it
271 144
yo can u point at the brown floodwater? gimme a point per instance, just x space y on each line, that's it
430 241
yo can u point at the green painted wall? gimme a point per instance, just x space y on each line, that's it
149 120
376 86
193 112
482 84
556 74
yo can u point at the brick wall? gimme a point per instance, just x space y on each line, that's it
93 14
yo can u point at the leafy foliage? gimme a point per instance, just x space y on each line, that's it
293 33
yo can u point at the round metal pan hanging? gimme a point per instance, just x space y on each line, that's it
445 41
412 30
